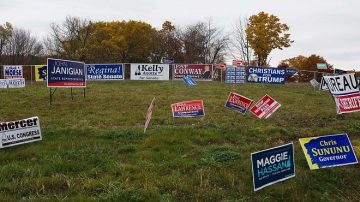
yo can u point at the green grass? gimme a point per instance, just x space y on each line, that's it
93 149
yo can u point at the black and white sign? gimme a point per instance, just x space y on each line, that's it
16 83
342 84
149 72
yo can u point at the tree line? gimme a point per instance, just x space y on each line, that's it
252 41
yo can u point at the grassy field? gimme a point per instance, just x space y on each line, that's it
94 148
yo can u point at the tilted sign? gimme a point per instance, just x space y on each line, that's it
328 151
65 73
40 72
105 71
189 81
13 71
314 83
20 132
235 75
196 71
16 83
3 83
265 107
238 102
347 103
194 108
149 114
266 75
272 165
291 72
149 72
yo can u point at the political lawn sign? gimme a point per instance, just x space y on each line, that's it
65 73
235 75
40 72
272 165
105 71
265 107
3 83
267 75
13 71
238 102
291 72
20 132
328 151
323 85
347 103
194 108
189 81
149 72
321 65
149 114
314 83
16 83
196 71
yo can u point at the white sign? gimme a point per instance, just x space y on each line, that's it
342 84
314 83
16 83
323 85
149 72
3 83
13 71
20 132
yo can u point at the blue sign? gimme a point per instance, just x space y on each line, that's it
328 151
272 165
189 81
105 71
291 72
65 73
235 75
266 75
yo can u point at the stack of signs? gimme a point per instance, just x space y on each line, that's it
40 72
12 83
265 107
13 71
267 75
194 108
196 71
189 81
328 151
65 73
345 91
272 165
105 71
235 75
314 83
238 103
152 72
323 85
19 132
149 114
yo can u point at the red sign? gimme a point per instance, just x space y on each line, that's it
238 102
238 63
149 114
197 72
265 107
347 103
194 108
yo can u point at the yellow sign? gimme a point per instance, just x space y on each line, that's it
40 72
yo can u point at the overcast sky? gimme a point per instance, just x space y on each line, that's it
329 28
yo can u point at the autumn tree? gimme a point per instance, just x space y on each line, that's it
265 33
5 35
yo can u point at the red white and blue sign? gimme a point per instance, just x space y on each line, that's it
238 102
272 165
65 73
105 71
194 108
265 107
267 75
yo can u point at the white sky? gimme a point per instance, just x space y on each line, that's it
329 28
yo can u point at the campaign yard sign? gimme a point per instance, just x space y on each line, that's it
342 84
347 103
149 72
272 165
265 107
267 75
13 71
189 81
40 72
20 132
16 83
149 114
3 83
196 71
65 73
291 72
323 85
238 102
105 71
328 151
194 108
235 75
314 83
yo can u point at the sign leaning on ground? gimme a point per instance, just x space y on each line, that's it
105 71
149 72
194 108
238 102
314 83
16 83
189 81
265 107
196 71
3 83
13 71
328 151
272 165
40 72
20 132
267 75
149 114
66 73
